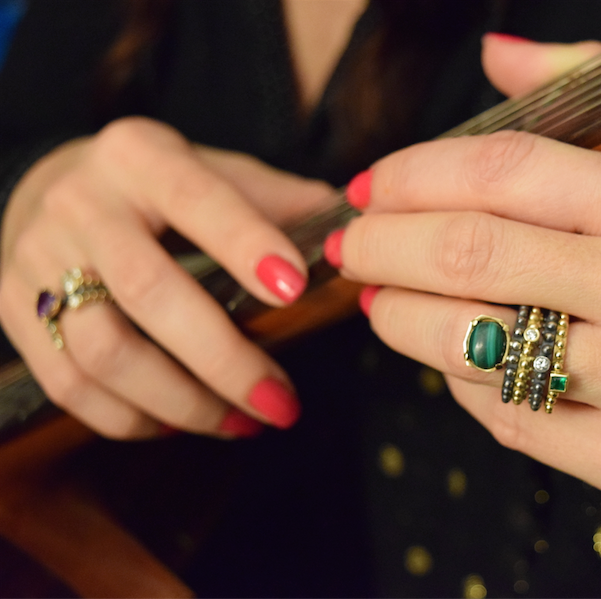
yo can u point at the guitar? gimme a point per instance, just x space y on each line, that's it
567 109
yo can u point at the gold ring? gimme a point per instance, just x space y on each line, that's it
79 289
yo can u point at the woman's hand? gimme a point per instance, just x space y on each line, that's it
100 204
476 224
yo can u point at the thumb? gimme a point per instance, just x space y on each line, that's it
516 65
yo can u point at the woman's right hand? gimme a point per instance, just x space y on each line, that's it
101 203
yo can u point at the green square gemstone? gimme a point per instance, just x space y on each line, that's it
558 382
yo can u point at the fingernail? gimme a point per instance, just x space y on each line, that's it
366 297
507 37
332 248
281 278
275 402
358 191
239 424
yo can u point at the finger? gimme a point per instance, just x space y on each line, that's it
133 265
168 183
64 383
283 197
475 256
516 65
130 366
170 306
567 439
516 175
431 329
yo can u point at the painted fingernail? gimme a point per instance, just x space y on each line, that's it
507 37
281 278
358 191
366 297
239 424
275 402
332 248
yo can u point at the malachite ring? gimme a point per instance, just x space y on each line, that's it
486 343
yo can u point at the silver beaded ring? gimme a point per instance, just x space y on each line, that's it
513 357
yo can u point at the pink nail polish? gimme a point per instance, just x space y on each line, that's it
281 278
507 37
239 424
358 191
332 248
275 402
366 297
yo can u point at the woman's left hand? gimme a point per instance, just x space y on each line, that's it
457 228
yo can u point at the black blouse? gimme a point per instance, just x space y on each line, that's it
386 487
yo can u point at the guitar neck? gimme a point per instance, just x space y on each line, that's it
567 109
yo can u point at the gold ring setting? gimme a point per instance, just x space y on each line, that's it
533 354
79 289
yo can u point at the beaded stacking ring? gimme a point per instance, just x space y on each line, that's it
558 380
521 386
515 349
79 289
542 362
534 354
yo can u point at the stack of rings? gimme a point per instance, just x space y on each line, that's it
78 290
533 353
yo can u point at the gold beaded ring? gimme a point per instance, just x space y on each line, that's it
558 380
79 289
521 385
533 371
82 289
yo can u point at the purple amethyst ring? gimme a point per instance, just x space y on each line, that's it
79 289
49 307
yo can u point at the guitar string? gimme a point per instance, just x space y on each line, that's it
546 109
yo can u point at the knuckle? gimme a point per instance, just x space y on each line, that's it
508 430
190 187
64 388
369 244
497 159
67 200
388 319
104 357
217 364
124 141
123 132
139 287
118 143
60 196
28 247
466 252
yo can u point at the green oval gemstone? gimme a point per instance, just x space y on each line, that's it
487 344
